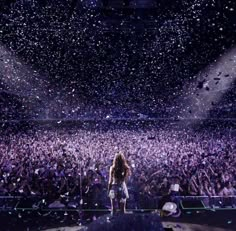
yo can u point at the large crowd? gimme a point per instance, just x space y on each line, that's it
50 163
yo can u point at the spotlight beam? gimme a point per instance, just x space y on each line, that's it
210 86
19 78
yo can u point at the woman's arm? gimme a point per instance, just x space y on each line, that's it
110 179
208 178
207 190
128 174
192 187
155 173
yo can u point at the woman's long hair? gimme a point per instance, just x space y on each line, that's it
120 168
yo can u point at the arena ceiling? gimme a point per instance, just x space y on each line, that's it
127 57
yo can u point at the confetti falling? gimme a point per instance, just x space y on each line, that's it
85 60
63 61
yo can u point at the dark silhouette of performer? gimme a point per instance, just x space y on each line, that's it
117 188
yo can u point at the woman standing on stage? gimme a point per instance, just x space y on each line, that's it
117 188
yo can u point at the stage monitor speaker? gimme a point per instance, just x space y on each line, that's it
192 204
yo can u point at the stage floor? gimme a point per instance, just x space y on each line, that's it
171 226
195 221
